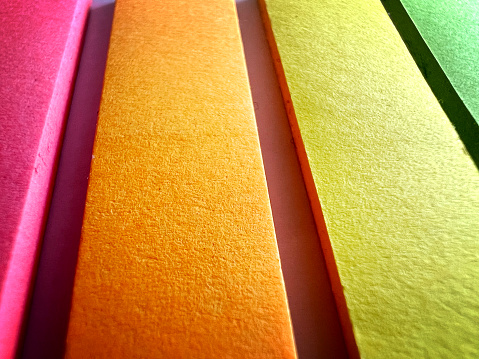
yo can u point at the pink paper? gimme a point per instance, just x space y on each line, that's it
50 308
39 49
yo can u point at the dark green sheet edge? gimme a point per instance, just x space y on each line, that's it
459 115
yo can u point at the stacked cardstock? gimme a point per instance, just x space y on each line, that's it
395 194
178 257
443 38
39 45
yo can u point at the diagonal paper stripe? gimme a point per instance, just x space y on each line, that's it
396 196
39 46
178 256
443 38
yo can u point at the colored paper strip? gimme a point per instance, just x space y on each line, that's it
39 46
178 256
47 324
395 194
443 38
316 325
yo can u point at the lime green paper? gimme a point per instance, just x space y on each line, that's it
399 193
443 37
451 30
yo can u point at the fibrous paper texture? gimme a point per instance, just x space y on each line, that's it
395 194
39 45
178 257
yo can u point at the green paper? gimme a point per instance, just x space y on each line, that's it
443 37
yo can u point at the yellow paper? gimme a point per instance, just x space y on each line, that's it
395 194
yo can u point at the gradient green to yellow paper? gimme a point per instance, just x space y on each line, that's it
395 194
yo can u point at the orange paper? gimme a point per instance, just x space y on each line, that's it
178 257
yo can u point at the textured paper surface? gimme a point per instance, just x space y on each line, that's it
443 39
316 326
178 257
51 299
39 45
451 30
394 192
